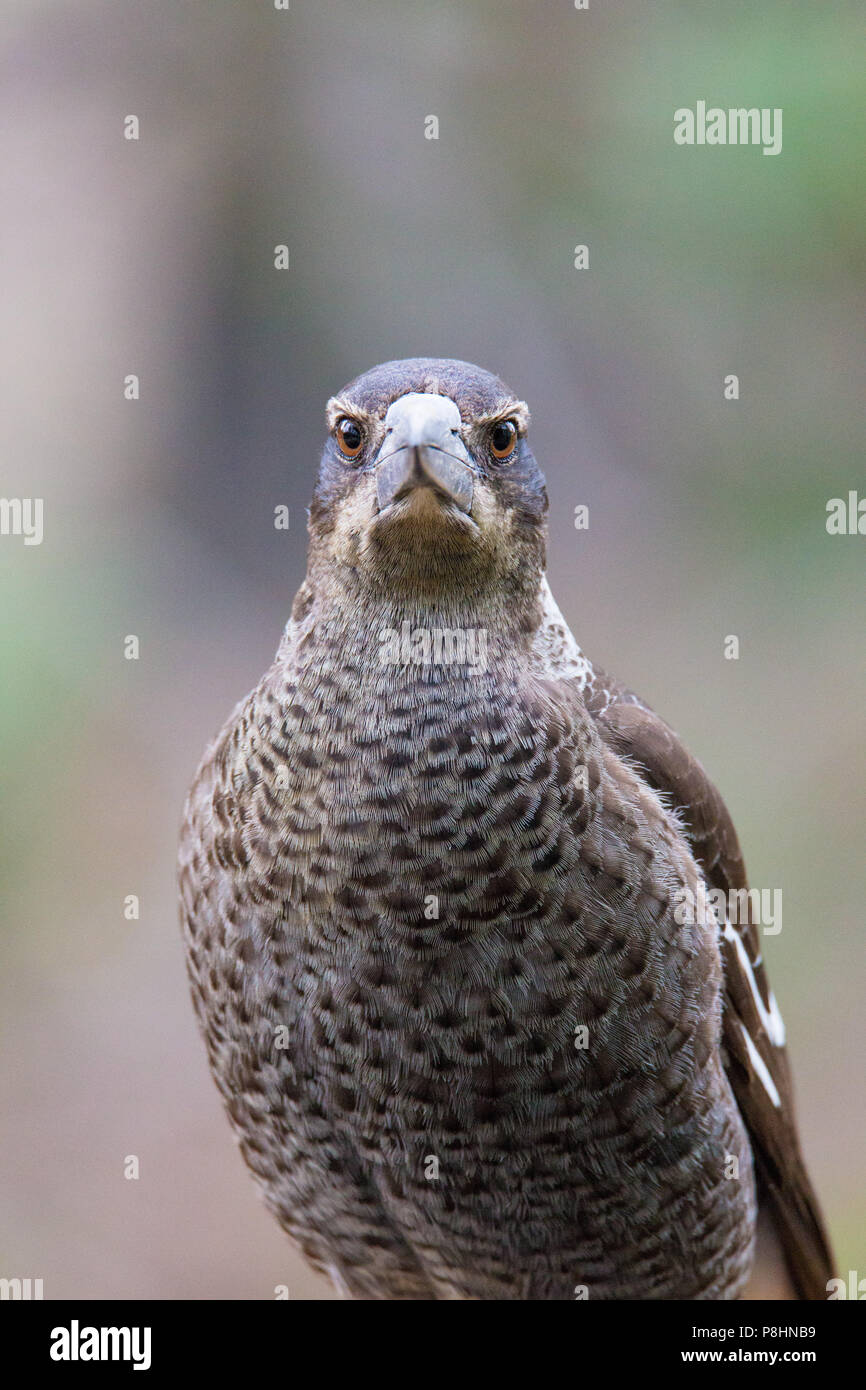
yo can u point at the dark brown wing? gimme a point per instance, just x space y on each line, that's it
756 1062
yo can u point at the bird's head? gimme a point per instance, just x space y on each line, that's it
427 483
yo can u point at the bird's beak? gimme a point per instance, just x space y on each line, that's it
422 448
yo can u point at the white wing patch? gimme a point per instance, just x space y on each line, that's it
761 1070
770 1018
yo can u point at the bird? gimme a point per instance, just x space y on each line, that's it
435 877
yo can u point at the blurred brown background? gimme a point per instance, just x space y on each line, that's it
155 257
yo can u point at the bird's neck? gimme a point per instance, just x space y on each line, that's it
488 628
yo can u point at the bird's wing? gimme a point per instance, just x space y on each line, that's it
754 1035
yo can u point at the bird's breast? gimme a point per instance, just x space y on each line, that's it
470 916
454 907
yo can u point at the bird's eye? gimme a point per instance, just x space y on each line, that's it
503 438
350 437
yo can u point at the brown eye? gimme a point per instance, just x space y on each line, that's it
503 439
350 437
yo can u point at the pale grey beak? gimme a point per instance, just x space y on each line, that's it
422 448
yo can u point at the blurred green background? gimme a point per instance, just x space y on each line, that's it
707 517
